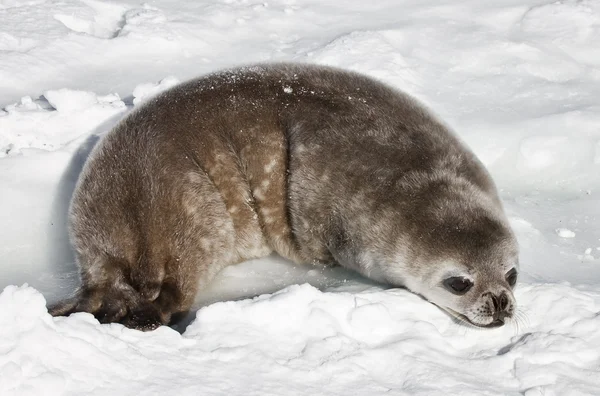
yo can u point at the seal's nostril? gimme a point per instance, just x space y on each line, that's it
500 302
495 302
503 301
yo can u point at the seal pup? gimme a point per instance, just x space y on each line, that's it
317 164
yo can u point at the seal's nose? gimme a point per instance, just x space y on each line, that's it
503 303
500 302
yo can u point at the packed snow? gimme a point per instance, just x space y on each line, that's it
519 81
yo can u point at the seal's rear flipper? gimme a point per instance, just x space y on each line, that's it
112 305
107 306
64 307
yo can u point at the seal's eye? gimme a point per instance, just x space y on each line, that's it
511 277
458 285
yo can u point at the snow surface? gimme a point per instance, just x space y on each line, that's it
518 80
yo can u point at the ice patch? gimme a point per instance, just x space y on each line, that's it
69 101
145 91
553 152
571 24
382 47
100 19
25 104
32 124
522 226
109 20
587 255
139 20
4 4
565 233
597 154
9 42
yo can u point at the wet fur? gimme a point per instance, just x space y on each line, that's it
314 163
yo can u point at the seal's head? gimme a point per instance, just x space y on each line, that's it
476 289
470 266
456 249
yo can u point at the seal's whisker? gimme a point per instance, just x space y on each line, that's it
521 317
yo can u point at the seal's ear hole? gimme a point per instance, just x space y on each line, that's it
457 285
511 277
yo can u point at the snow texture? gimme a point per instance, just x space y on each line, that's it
518 80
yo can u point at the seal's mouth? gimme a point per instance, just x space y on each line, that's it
465 320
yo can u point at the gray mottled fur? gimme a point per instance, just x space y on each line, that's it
314 163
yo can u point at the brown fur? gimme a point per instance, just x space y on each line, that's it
314 163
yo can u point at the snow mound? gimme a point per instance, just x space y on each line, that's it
67 100
98 19
565 233
383 47
9 42
109 21
145 91
363 343
572 24
33 124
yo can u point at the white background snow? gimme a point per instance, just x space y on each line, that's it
518 80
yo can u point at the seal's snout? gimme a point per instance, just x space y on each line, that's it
501 309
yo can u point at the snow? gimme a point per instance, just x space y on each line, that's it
302 341
566 233
518 81
147 90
